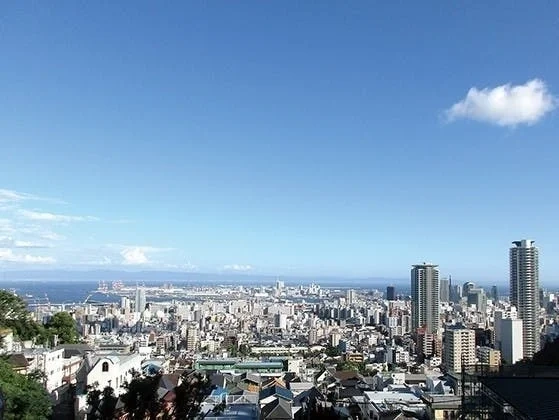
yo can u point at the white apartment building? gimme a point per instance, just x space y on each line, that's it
425 297
511 339
51 362
524 292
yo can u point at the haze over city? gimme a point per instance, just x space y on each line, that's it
311 140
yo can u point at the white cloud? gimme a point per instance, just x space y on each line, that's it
6 227
134 256
51 217
7 255
505 105
7 242
102 261
188 266
11 196
238 267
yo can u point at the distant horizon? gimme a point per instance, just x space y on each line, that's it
182 276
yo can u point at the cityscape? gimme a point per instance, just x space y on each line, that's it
302 351
279 210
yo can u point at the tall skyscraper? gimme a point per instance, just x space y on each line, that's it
350 296
140 299
494 294
390 293
524 291
444 290
425 297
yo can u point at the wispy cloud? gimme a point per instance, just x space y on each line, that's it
12 196
7 242
104 261
188 266
505 105
7 255
238 267
52 217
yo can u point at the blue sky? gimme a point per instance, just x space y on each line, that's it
286 138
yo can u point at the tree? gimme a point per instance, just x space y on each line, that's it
189 396
14 315
140 399
102 404
25 399
64 326
332 351
347 366
93 401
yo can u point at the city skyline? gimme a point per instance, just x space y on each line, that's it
317 140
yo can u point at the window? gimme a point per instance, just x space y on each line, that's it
105 367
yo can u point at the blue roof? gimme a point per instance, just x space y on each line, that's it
218 391
277 390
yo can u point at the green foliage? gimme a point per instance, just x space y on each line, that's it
64 326
358 367
189 395
140 399
14 315
347 366
332 351
244 349
102 404
25 398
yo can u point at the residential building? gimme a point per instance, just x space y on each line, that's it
459 348
425 297
511 339
524 291
112 370
488 356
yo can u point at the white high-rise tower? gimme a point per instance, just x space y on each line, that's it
425 297
140 301
524 292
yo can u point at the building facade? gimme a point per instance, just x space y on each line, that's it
425 297
459 348
511 339
524 291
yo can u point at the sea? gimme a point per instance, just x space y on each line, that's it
69 291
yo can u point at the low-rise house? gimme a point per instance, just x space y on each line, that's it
112 370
